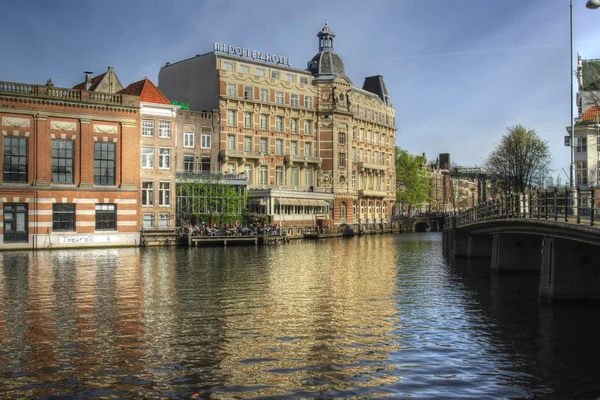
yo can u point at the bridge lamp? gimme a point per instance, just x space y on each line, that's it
593 4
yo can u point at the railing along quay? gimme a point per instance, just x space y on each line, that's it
571 205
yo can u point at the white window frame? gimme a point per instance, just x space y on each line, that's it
279 123
248 145
164 158
294 100
148 127
263 175
244 69
279 174
164 194
247 119
205 140
279 147
294 147
149 194
231 90
264 122
290 78
308 149
264 145
231 142
148 157
279 97
308 126
228 66
231 118
164 129
259 72
188 138
248 92
294 125
264 95
308 102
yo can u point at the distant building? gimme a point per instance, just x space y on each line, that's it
314 147
70 173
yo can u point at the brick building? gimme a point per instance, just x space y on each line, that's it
70 170
313 145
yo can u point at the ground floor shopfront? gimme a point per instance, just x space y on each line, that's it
43 219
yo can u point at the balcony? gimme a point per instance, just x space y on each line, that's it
212 177
302 159
361 166
244 155
371 193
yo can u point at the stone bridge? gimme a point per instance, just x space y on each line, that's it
560 241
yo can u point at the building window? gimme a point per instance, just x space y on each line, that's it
581 144
147 193
279 97
343 210
294 125
290 78
248 92
248 171
188 139
308 176
264 121
148 220
106 217
279 123
384 211
308 127
205 163
104 163
368 114
227 66
259 72
362 135
264 145
294 148
354 181
342 160
342 138
247 143
164 129
244 69
361 155
63 217
279 175
368 136
147 157
279 147
375 116
294 175
188 162
308 149
294 100
275 75
354 154
376 158
383 117
361 112
264 95
62 161
263 177
308 101
231 89
164 158
247 119
14 164
354 210
303 80
205 140
581 167
231 118
164 193
383 186
354 133
147 127
376 138
362 209
163 220
230 142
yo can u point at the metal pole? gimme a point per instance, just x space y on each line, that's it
280 214
572 166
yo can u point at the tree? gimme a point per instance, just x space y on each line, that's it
413 185
520 161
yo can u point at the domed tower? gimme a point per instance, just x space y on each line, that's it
326 64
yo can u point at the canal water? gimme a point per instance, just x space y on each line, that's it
369 317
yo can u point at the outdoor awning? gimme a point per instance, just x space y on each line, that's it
287 202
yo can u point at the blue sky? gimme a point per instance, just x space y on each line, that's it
459 71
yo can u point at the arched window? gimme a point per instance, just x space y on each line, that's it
354 210
343 211
378 210
362 209
384 216
370 210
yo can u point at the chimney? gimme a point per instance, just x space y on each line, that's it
88 79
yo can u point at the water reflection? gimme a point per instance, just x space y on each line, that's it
364 317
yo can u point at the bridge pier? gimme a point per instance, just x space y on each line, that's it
516 252
479 246
460 243
570 271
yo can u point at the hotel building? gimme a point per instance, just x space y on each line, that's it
315 148
70 171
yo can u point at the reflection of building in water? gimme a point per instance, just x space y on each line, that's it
322 313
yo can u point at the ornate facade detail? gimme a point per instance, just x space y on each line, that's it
17 122
325 178
63 126
105 129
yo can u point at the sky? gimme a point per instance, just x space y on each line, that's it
460 72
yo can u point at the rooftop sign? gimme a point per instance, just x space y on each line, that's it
252 54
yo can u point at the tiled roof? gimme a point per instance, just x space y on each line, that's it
147 91
592 114
95 82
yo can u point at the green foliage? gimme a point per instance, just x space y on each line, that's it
520 161
412 176
210 202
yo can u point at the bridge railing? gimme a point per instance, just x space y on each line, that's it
575 205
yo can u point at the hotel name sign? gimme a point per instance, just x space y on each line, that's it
252 54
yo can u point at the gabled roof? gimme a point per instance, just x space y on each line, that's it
95 82
592 114
147 91
376 85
